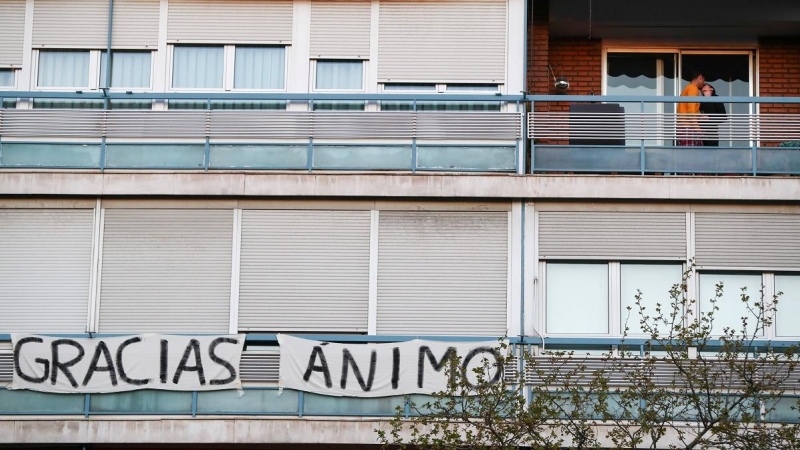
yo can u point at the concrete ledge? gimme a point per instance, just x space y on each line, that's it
428 185
150 430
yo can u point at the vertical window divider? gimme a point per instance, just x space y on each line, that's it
614 297
236 257
691 288
97 267
372 314
768 286
228 66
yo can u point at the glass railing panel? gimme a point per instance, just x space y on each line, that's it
486 158
698 160
249 401
47 154
155 156
363 157
559 158
141 402
30 402
258 156
779 160
342 406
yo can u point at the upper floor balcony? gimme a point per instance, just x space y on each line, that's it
614 134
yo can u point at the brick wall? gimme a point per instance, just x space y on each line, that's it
779 72
539 47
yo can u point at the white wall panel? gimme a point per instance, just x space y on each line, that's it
230 22
447 41
12 32
45 265
340 29
443 273
166 270
82 23
304 271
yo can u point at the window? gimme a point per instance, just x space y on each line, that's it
655 281
464 89
786 323
592 298
206 67
64 69
7 82
337 76
198 67
577 298
7 78
731 308
128 69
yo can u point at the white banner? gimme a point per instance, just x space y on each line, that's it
379 370
149 361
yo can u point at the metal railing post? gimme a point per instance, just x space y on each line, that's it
207 148
641 141
194 403
414 138
533 143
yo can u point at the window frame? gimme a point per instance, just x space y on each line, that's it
94 75
228 67
445 88
14 78
614 295
312 79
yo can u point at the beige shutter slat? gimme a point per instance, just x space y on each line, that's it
747 240
12 32
612 235
135 23
82 23
166 271
448 41
340 29
45 267
222 21
443 273
304 271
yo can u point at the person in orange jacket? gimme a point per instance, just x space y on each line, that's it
689 133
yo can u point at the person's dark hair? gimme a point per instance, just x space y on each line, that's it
713 91
694 73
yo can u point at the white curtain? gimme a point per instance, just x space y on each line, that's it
340 75
198 67
259 68
128 69
63 68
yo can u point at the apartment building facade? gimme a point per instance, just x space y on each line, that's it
371 171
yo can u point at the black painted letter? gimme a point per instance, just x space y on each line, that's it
496 364
93 367
347 361
164 360
323 367
43 362
220 361
64 367
449 356
194 346
395 367
121 367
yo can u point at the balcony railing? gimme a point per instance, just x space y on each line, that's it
644 135
431 132
289 133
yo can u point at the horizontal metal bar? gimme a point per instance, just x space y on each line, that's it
657 99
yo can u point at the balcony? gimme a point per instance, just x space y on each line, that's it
434 133
641 135
280 132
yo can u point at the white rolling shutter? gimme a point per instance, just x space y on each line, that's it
304 271
747 240
81 23
230 22
340 29
135 23
447 41
12 32
443 273
612 235
166 270
45 267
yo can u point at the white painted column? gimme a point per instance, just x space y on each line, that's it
372 320
236 253
161 70
299 54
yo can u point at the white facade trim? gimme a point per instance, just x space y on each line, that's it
372 308
236 253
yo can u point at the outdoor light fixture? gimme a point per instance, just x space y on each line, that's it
561 83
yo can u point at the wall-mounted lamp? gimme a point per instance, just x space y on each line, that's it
561 83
